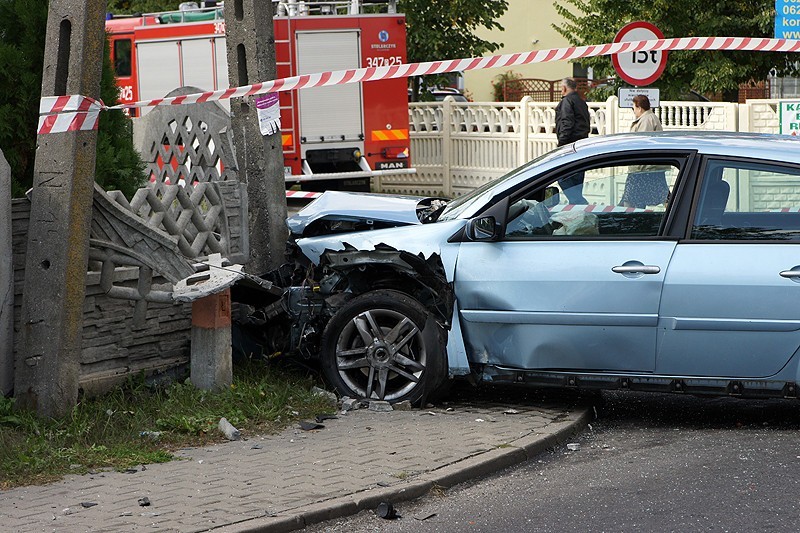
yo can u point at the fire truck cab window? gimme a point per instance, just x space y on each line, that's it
122 57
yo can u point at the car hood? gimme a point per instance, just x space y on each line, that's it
418 240
341 212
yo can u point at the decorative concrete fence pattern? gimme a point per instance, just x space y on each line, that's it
473 143
139 249
759 116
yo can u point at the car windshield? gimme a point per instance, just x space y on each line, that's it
458 206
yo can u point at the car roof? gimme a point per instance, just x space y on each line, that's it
761 146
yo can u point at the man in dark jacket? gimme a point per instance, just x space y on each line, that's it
572 124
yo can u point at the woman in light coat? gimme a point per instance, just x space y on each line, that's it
645 120
646 184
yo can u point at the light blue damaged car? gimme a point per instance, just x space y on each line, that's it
660 262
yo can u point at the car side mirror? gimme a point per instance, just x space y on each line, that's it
483 229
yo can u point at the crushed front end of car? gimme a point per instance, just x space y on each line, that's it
374 314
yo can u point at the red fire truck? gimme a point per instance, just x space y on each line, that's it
333 137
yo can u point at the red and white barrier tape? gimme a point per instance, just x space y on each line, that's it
596 208
58 114
341 77
303 195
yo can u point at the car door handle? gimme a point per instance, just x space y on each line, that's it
636 269
790 274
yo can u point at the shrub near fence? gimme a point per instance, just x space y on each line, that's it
457 146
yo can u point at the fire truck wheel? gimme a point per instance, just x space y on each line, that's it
384 345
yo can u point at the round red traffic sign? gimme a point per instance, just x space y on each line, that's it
639 68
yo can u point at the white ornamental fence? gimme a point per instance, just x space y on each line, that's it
458 146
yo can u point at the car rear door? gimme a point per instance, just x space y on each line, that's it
731 300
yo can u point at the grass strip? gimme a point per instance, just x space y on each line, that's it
139 424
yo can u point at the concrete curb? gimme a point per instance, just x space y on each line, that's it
474 467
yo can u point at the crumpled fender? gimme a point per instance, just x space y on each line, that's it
422 241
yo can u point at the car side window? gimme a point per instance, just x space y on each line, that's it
610 200
742 200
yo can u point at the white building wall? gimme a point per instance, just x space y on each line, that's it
527 25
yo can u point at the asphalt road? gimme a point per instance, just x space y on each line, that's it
649 462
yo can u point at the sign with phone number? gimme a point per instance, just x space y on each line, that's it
787 19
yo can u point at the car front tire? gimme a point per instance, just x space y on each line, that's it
384 345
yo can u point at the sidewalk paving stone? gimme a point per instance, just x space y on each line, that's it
296 478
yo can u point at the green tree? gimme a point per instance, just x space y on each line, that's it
129 7
717 73
445 29
118 165
22 26
22 43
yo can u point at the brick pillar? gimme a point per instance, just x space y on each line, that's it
48 363
211 360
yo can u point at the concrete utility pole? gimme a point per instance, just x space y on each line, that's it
250 39
48 364
6 282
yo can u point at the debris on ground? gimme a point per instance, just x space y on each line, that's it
573 446
227 429
380 406
144 501
386 511
422 517
306 425
324 416
350 404
153 435
403 406
316 391
86 505
511 412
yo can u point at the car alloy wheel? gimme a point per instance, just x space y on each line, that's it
383 345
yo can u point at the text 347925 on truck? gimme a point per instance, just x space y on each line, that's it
662 262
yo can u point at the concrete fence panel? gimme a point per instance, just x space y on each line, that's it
759 116
457 146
